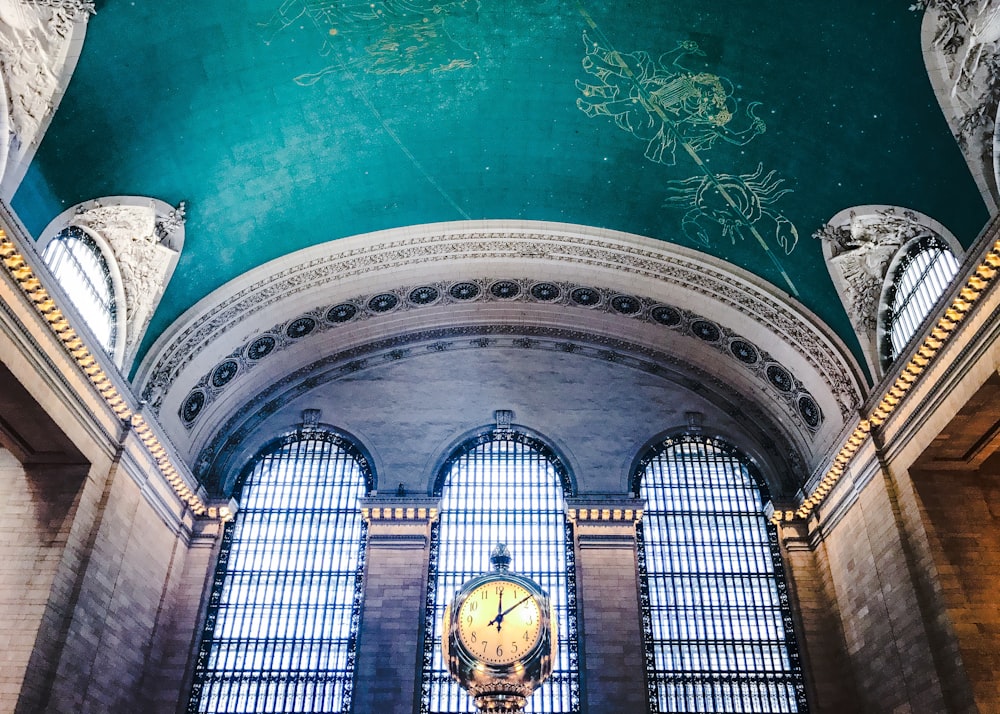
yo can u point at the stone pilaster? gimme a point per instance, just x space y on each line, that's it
390 637
612 662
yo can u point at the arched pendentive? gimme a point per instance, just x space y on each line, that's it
961 40
860 245
40 43
141 240
503 429
761 463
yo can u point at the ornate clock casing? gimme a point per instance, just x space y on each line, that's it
498 637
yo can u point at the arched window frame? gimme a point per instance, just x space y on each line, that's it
794 669
568 626
349 449
935 279
111 320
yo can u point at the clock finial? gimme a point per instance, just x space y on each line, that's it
500 557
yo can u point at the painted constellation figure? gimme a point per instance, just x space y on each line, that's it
662 102
671 107
733 203
394 36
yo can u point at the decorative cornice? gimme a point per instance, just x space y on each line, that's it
982 278
615 509
39 297
400 508
315 271
775 378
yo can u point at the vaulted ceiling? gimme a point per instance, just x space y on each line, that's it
734 128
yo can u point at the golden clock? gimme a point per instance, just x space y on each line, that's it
500 621
498 637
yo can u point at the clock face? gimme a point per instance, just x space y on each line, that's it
499 622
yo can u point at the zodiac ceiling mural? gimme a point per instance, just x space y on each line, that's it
398 36
679 111
733 128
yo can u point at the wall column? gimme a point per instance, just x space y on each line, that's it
829 681
612 662
390 638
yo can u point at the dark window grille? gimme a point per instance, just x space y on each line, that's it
282 621
716 620
77 263
502 487
920 278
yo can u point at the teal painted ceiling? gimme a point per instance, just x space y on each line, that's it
737 128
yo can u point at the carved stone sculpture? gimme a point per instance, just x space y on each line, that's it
143 241
964 62
860 252
36 40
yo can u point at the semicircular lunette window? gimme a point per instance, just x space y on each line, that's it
502 487
282 619
77 263
717 628
919 280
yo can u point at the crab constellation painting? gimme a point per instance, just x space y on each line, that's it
681 112
730 202
380 37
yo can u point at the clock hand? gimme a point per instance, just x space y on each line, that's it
516 604
499 617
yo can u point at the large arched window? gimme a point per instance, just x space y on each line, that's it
919 277
717 628
502 487
283 614
77 263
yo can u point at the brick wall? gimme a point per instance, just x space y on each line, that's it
613 658
829 680
390 640
37 509
875 594
963 520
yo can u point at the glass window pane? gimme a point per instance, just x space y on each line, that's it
921 278
504 487
718 633
285 602
75 260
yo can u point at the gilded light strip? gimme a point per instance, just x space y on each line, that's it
392 513
929 349
632 515
32 288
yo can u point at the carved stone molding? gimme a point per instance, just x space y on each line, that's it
314 270
37 55
236 425
775 379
